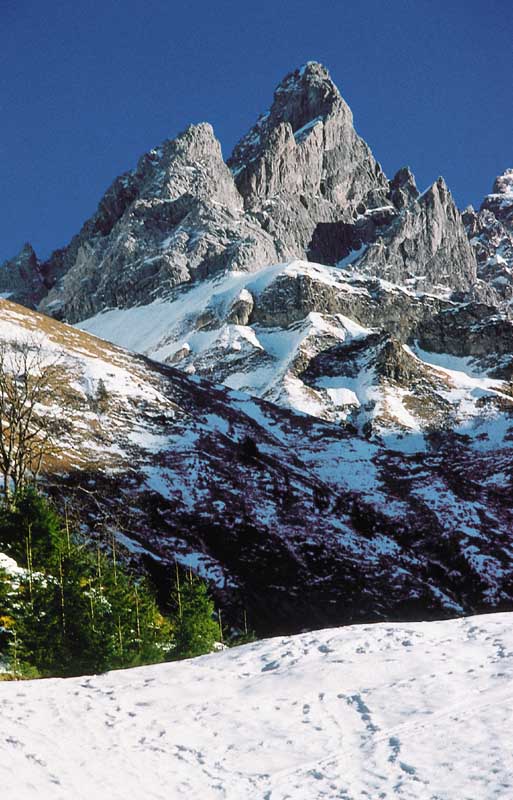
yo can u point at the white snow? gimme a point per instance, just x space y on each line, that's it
191 331
418 711
161 328
9 565
301 132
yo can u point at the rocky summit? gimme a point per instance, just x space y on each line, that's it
491 235
320 417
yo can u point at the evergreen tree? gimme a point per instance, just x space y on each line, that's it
75 611
5 618
31 531
196 630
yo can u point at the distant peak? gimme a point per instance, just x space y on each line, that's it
500 200
306 94
311 69
27 249
504 183
195 140
198 130
312 78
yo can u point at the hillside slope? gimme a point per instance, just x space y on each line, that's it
414 711
300 520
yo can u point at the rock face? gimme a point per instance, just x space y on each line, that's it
178 217
303 165
425 247
491 235
21 279
500 201
301 184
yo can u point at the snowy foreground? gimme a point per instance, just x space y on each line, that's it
421 710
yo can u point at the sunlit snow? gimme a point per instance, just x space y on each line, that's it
414 711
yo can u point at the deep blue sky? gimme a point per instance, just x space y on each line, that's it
87 86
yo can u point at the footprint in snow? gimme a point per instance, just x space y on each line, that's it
270 666
395 746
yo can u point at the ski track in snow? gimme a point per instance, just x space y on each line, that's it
419 711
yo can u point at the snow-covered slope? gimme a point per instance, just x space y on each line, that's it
324 341
413 711
301 521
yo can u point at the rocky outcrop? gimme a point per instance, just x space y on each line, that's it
178 217
403 189
490 232
303 164
313 183
500 201
425 247
21 279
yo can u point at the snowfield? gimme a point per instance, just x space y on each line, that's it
414 711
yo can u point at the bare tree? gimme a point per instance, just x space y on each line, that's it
27 381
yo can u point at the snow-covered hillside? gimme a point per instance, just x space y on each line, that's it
327 342
413 711
302 522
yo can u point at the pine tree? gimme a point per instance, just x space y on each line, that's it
6 620
76 611
31 531
196 630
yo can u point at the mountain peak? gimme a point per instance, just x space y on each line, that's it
500 201
20 277
304 162
504 183
306 94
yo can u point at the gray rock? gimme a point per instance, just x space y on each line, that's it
21 279
178 217
425 247
500 201
490 232
403 189
303 164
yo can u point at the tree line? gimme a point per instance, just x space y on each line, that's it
72 609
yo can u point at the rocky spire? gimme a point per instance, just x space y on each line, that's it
303 98
426 247
303 164
491 235
500 201
21 279
403 189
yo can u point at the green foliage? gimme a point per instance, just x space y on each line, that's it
5 619
31 524
196 630
73 611
242 638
